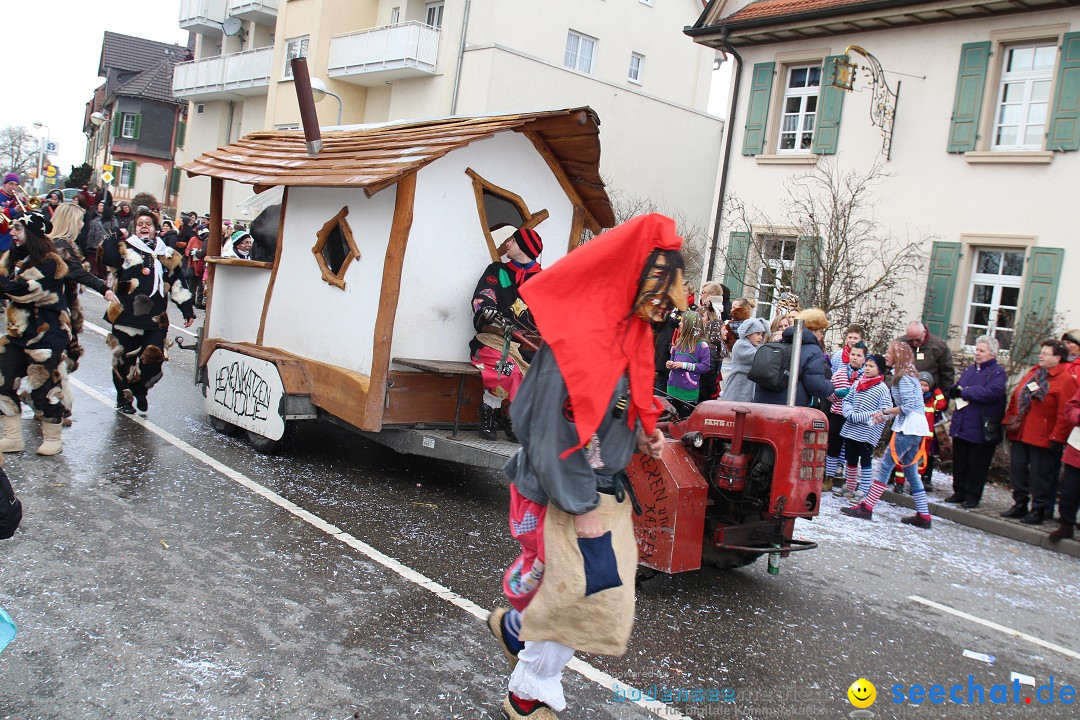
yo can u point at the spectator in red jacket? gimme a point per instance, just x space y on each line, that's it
1038 429
1070 486
1071 338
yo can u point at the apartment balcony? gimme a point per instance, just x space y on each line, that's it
263 12
202 16
384 54
224 77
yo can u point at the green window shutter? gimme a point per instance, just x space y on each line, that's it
131 177
735 269
964 130
1065 119
941 287
174 184
830 107
138 125
117 123
758 113
1039 298
181 133
807 270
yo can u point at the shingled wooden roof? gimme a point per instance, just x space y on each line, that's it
376 157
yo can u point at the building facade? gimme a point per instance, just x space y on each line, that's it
979 145
134 123
391 60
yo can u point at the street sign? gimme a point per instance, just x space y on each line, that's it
50 171
52 147
107 168
107 177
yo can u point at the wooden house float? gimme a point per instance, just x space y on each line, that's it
364 315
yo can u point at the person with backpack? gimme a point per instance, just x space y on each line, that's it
688 360
861 431
738 387
772 364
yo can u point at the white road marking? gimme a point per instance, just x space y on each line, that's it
581 667
1000 628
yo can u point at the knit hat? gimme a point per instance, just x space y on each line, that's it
813 319
926 378
1072 336
529 241
753 325
879 360
35 223
11 177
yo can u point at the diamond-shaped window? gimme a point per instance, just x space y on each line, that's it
335 249
501 212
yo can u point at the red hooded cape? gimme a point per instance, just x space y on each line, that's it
582 308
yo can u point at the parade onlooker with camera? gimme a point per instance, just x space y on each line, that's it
1038 429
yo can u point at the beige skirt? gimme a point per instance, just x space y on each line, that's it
560 611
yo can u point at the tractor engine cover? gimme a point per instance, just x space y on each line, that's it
673 496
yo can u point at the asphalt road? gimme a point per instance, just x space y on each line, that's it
167 571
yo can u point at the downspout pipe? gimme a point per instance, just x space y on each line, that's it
460 57
732 111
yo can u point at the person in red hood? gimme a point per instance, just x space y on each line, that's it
583 408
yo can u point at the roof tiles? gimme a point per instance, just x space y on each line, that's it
782 8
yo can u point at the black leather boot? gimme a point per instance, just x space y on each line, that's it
489 421
506 425
1018 510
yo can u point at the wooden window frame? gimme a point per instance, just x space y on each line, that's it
323 236
1028 78
479 185
804 93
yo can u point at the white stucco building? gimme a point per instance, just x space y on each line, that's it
406 59
983 154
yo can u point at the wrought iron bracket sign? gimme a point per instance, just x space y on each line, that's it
883 99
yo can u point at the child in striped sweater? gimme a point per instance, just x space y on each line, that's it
846 375
861 431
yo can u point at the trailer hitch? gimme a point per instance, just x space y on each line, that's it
792 545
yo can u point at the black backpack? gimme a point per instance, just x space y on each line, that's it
771 366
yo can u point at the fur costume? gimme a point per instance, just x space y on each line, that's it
737 316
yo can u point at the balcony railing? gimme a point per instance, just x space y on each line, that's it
242 73
263 12
202 16
383 54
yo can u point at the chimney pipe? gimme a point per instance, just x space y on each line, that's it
308 117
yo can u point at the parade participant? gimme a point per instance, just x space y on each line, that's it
52 201
38 332
239 245
496 300
579 415
147 276
194 266
9 206
67 222
909 429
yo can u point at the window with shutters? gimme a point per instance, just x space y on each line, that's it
127 174
994 295
296 47
1023 98
799 109
776 274
580 51
128 126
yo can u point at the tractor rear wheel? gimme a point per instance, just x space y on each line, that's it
726 559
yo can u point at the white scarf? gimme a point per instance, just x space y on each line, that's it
159 250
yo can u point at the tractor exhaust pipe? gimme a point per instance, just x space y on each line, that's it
308 117
793 372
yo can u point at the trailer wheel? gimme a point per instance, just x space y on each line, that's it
223 426
267 446
726 559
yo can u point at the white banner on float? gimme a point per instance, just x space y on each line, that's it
246 392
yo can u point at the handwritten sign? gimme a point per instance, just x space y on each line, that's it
246 392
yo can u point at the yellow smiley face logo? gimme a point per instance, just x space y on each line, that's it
862 693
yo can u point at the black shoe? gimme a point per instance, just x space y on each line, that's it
506 425
141 403
125 407
489 422
1018 510
1035 517
970 504
955 499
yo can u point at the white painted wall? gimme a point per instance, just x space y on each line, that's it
238 302
447 250
930 190
308 316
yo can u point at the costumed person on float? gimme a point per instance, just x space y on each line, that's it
585 406
497 305
38 333
10 209
147 277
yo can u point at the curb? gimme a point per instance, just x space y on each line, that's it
992 525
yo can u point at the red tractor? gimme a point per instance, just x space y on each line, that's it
732 480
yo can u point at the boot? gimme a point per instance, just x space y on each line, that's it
506 424
1017 511
50 438
489 422
13 439
1064 532
123 402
